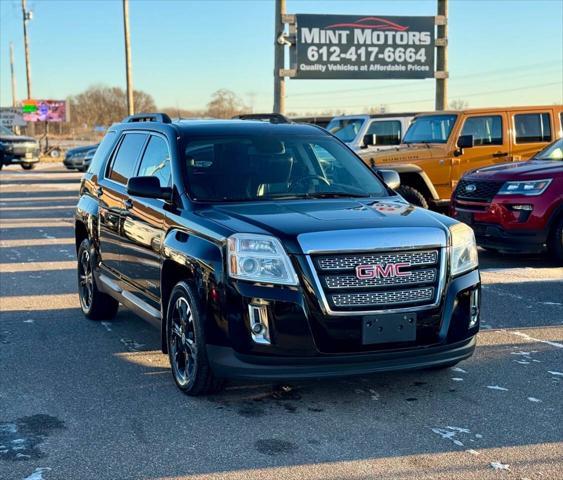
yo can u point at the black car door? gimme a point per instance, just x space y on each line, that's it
143 225
112 193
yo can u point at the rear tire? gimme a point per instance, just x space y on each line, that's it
186 344
95 305
555 242
28 166
413 196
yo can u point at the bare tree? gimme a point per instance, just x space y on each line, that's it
102 105
225 104
459 104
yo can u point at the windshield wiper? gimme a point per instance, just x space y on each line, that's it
337 195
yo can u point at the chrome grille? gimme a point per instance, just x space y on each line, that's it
344 291
390 297
350 261
350 281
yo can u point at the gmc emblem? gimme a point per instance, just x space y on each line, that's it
380 271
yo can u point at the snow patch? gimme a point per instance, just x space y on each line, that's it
496 387
38 473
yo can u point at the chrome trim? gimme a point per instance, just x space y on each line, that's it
439 290
372 239
261 311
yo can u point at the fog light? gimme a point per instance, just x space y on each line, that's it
522 208
474 308
259 328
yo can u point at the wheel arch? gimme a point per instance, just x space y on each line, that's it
416 177
194 259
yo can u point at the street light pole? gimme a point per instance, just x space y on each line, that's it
26 18
13 74
279 81
128 73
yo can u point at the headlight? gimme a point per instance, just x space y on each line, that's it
259 258
531 188
463 251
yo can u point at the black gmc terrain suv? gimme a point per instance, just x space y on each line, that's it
272 251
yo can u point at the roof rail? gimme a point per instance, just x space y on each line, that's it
147 117
264 117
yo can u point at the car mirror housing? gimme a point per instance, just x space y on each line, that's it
148 187
465 141
391 178
369 140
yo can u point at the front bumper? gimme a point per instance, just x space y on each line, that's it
444 336
495 237
74 162
17 160
226 363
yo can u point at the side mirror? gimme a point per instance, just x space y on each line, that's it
369 140
148 187
465 141
391 178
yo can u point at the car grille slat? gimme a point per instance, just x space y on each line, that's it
344 291
483 191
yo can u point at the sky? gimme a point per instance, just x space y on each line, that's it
501 52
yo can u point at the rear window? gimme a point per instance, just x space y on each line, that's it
532 127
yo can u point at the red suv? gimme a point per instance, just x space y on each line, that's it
515 207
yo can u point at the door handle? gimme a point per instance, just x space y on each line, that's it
500 154
99 192
128 204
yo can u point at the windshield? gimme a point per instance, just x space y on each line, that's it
251 168
551 152
5 131
346 129
430 129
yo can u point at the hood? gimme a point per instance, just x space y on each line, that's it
530 170
289 219
75 150
16 139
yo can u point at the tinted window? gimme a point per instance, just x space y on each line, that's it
102 152
276 166
485 130
386 132
156 161
430 129
532 127
125 160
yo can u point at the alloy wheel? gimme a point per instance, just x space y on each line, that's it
182 346
86 281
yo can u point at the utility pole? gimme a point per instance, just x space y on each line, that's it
442 58
279 47
26 18
128 73
13 73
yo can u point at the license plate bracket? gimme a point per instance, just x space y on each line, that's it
389 328
465 217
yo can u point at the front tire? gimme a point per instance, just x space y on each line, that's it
186 344
28 166
413 196
95 305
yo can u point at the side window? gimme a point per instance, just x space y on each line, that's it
485 130
386 132
532 127
156 161
125 160
102 152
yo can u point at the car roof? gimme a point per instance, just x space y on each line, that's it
236 127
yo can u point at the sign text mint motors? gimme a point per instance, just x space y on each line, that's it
351 46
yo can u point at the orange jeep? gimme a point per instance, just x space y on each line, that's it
439 147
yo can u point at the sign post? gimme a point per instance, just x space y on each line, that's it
442 56
279 50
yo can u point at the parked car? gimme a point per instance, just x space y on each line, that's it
321 121
366 134
439 148
516 207
18 149
79 158
254 262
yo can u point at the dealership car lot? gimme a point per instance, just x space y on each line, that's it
80 399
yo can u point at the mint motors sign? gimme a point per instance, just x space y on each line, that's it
362 47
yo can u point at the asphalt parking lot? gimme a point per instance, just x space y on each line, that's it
87 400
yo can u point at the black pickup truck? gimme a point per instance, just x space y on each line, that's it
269 251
